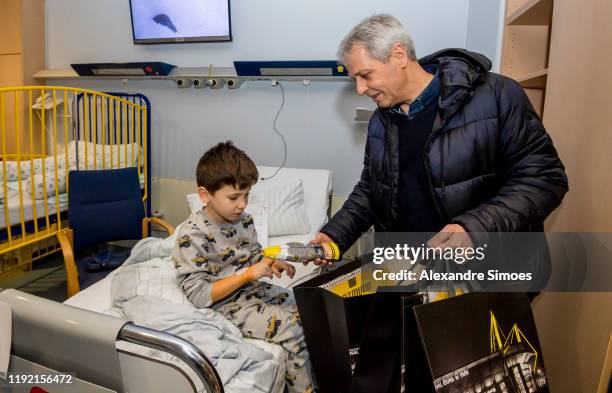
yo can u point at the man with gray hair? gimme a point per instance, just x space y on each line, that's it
452 148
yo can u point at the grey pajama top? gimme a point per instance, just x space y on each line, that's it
205 252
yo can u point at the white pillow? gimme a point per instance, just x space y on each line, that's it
195 203
317 188
287 213
12 170
123 155
259 211
49 184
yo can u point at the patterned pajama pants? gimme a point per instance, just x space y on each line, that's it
269 313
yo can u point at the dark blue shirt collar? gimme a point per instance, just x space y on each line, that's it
426 98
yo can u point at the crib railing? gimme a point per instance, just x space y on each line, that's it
46 131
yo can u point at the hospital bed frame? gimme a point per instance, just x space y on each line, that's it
117 121
52 338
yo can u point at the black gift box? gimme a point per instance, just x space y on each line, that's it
482 342
380 326
332 326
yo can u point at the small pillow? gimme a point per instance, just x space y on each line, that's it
50 164
259 212
49 184
287 212
195 203
123 155
12 171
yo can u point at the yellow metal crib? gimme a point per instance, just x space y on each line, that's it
47 131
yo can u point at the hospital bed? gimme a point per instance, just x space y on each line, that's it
316 185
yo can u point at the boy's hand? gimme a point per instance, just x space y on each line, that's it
260 269
278 267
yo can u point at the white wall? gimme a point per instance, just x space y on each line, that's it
317 120
483 30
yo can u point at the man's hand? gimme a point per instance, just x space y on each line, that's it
278 267
451 236
321 238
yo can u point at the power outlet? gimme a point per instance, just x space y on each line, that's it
363 114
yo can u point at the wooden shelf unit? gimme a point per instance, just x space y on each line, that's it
566 72
526 46
532 12
22 52
534 80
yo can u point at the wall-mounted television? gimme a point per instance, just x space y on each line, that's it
171 21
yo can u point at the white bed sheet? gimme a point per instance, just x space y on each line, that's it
28 210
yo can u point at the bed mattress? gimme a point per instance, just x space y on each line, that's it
13 202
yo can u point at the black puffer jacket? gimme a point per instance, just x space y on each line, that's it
491 165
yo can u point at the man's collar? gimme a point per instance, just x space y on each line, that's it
429 94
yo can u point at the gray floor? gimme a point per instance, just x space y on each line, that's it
47 279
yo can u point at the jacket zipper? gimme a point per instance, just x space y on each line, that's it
386 123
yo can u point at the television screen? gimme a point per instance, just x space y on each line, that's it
167 21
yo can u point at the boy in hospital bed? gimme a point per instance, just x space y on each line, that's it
219 240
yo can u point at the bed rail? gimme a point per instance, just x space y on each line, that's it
180 348
69 339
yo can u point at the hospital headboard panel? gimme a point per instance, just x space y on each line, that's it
65 338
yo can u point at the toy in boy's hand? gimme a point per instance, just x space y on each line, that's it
300 252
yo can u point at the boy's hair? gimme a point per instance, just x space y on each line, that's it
225 164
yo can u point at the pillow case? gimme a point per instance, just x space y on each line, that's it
317 184
195 203
12 169
259 212
31 167
286 209
49 184
124 155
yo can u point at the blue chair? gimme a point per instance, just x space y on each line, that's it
104 206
